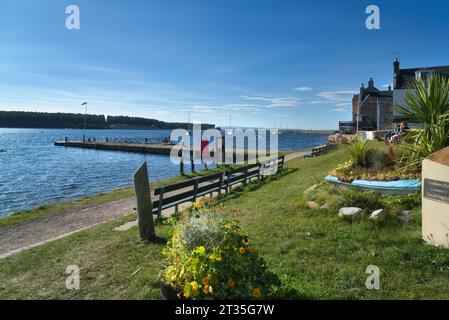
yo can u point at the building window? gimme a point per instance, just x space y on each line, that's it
423 75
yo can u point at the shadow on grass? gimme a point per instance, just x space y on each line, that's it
252 186
156 240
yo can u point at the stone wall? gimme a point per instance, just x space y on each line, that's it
435 200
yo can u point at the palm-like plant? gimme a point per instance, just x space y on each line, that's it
358 152
428 107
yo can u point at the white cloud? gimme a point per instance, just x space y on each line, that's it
316 102
338 110
242 106
303 89
342 96
344 104
226 107
275 102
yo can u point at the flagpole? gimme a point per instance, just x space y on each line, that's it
85 115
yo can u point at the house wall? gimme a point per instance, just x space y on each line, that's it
398 98
369 108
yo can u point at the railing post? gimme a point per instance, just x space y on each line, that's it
181 163
144 207
192 164
195 189
246 175
221 183
161 197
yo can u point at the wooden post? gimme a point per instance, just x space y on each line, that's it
195 189
192 163
181 163
144 207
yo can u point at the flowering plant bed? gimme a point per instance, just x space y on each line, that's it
348 173
211 258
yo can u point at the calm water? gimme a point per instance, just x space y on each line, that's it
34 172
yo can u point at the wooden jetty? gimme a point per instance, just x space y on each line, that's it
161 149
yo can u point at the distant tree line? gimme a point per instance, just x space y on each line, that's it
22 119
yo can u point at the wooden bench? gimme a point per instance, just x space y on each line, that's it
186 191
190 190
318 151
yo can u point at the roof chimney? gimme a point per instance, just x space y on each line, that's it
396 65
371 83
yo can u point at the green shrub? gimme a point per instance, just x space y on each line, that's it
376 159
338 196
211 258
357 153
427 106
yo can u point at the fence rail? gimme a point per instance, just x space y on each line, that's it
190 190
134 140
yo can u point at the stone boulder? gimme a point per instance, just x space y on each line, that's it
350 213
313 205
377 214
310 190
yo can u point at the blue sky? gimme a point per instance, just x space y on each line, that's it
283 63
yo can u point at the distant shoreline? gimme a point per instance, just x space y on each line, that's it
293 131
302 131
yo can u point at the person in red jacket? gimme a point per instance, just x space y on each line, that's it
204 144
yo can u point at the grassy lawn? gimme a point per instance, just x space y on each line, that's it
313 251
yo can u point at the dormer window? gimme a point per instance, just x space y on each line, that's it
424 75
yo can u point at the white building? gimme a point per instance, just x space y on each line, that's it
403 78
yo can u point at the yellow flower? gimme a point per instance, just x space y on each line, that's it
194 285
231 283
205 281
208 289
257 293
200 250
251 250
242 250
197 205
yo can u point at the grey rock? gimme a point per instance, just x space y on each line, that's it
405 216
325 206
311 189
377 214
350 212
313 205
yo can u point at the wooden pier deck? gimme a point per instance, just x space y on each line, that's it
161 149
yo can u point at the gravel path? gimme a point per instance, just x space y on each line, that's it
30 234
